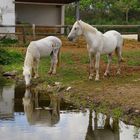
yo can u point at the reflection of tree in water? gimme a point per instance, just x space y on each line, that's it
36 115
107 132
6 101
1 93
137 132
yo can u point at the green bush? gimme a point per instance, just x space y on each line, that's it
8 41
8 57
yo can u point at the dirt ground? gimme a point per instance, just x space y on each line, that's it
122 93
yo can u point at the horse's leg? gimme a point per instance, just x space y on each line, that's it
33 68
91 66
55 60
36 68
97 66
51 67
108 65
120 59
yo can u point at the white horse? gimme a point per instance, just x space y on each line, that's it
37 49
97 44
41 116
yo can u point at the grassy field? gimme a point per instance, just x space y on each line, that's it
74 64
116 94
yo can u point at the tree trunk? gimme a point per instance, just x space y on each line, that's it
126 15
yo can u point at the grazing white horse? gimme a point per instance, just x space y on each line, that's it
37 49
97 44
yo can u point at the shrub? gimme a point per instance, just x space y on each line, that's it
8 42
8 57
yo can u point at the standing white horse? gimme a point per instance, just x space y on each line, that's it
37 49
97 44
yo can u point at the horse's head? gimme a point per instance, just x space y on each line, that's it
27 76
75 31
28 105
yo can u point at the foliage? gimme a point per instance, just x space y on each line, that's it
8 41
106 12
8 57
117 112
126 5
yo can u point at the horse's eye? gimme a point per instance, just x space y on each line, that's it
75 28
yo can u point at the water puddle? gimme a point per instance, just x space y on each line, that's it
29 115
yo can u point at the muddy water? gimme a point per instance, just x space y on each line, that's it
29 115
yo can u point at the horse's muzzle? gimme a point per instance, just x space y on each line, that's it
70 38
28 86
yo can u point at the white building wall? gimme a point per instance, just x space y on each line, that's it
7 101
7 15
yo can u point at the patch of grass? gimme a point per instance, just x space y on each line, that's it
67 58
105 59
132 57
84 59
117 112
67 72
103 108
8 57
136 120
8 42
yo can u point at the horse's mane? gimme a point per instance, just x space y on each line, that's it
28 59
87 27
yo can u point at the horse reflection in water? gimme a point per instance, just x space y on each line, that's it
36 115
103 128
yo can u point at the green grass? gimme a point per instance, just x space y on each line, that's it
73 67
117 112
8 42
132 57
67 71
8 57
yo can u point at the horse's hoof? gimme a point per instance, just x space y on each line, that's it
96 79
53 73
50 72
90 78
106 74
118 73
35 77
28 86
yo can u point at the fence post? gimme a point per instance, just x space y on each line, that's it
33 28
66 30
139 33
23 33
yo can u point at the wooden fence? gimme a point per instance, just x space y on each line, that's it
32 32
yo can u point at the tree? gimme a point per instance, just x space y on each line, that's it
125 6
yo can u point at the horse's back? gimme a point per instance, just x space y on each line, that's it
112 40
114 36
49 41
44 46
54 39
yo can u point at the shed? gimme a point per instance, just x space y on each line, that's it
39 12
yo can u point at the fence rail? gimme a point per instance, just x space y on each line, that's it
24 31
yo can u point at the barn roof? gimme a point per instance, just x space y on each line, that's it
48 1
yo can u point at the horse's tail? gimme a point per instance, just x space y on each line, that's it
118 52
58 58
